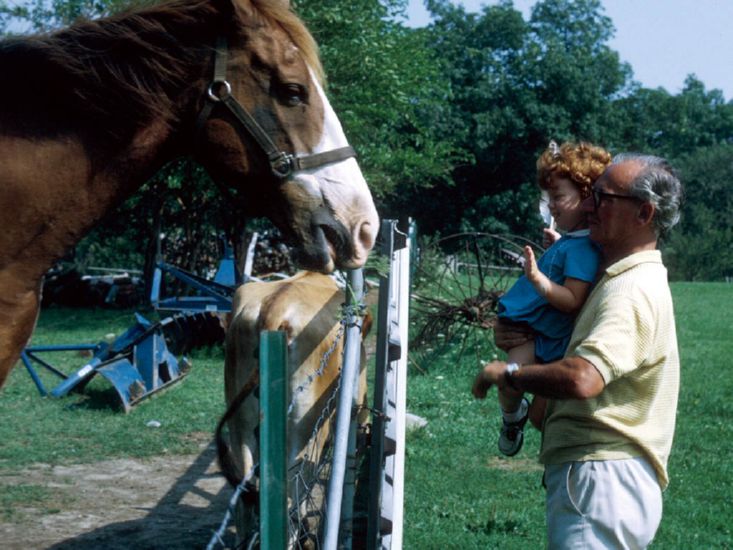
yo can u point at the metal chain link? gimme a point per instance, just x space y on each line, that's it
218 537
319 371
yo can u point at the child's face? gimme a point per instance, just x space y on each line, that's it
566 204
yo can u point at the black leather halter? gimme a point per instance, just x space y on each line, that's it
282 164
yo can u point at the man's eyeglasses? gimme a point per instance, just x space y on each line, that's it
598 196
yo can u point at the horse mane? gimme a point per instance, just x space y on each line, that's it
114 75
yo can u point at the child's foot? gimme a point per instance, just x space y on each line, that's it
511 437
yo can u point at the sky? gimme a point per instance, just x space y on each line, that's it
662 40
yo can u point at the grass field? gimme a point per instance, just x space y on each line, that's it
459 492
83 428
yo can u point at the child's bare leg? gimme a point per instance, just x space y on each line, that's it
510 400
513 406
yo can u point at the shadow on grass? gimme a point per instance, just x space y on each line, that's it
97 399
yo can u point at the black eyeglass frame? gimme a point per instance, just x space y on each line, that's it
599 195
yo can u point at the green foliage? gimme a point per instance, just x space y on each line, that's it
448 121
386 86
699 249
42 16
517 84
675 125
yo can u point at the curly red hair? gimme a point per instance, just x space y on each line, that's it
582 163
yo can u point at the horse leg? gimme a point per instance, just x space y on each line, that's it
19 305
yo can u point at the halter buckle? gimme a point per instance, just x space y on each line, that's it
282 165
219 90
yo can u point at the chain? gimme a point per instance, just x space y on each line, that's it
217 537
319 371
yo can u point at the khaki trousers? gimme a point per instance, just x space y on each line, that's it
608 504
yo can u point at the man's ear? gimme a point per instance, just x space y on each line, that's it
646 213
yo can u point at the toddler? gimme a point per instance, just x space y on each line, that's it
552 290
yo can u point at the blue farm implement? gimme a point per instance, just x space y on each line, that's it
209 294
137 364
144 360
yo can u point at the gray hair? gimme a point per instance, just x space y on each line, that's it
658 184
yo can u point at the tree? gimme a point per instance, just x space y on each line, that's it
699 249
674 125
42 16
517 84
387 87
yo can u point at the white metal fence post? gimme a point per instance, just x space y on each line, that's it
349 377
388 425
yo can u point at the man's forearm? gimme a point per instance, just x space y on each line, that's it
570 378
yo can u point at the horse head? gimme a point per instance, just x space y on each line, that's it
267 119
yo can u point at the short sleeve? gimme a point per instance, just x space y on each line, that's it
581 261
620 338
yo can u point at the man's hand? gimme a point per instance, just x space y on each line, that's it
492 373
508 335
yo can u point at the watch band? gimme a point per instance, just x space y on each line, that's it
511 368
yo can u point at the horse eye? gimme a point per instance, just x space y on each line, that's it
293 94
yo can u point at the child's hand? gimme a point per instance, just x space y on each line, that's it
538 279
549 237
530 265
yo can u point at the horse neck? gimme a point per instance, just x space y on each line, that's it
59 189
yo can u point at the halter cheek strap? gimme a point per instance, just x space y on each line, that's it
282 164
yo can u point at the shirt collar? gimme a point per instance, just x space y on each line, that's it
624 264
578 233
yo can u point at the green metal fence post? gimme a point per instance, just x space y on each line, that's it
274 393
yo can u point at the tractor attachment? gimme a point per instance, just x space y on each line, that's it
138 363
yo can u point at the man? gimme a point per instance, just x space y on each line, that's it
612 399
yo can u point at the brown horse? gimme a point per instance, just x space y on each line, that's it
89 113
307 308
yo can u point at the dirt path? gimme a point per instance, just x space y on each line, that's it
173 502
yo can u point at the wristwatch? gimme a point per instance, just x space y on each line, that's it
511 368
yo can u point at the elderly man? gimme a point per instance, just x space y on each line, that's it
612 400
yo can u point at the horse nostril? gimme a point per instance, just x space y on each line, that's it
366 235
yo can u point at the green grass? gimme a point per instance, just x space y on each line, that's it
89 427
460 493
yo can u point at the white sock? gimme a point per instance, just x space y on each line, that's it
517 415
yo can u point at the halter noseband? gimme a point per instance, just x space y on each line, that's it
282 164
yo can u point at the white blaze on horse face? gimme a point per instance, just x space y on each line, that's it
342 189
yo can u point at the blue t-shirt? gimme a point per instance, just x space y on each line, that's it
573 255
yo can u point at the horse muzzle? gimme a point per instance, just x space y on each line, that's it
333 246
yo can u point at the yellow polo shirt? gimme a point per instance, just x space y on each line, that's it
626 330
